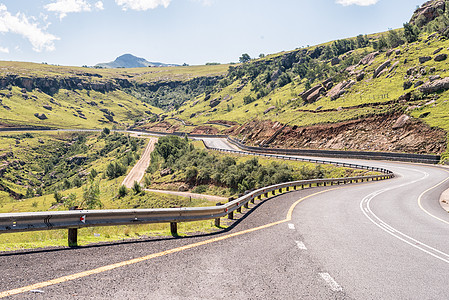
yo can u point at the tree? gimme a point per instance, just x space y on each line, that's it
244 58
122 191
393 39
137 188
91 196
411 32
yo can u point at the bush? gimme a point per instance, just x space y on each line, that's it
200 189
122 191
248 99
114 170
137 188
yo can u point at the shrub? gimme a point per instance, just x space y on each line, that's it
137 188
122 191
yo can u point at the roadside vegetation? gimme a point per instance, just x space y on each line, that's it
177 164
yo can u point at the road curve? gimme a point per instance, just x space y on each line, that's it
380 240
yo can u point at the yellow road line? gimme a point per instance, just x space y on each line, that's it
152 256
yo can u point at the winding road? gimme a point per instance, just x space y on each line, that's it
377 240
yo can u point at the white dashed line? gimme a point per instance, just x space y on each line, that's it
331 282
301 245
291 226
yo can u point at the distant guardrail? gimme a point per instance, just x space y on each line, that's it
368 155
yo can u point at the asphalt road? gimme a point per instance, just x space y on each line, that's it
380 240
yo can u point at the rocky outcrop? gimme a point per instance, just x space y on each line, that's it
369 59
428 12
312 94
341 88
381 68
435 86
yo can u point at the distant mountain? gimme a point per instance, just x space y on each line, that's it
131 61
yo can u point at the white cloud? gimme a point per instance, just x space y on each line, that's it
99 5
142 4
4 50
357 2
20 24
63 7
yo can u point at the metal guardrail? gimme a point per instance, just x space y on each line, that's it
73 220
369 155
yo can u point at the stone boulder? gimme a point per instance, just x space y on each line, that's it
315 95
435 86
424 59
434 77
381 68
214 102
437 51
338 90
41 116
401 122
369 59
441 57
310 91
269 109
47 107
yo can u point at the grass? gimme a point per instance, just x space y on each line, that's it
86 236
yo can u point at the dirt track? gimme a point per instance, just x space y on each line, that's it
138 171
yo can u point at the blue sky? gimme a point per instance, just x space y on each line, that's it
87 32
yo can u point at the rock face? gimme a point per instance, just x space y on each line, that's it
435 86
369 134
428 12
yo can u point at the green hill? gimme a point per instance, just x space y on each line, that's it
381 92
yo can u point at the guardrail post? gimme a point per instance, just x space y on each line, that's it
294 187
266 195
73 237
280 191
174 228
287 189
302 186
239 210
217 220
310 185
260 197
246 205
273 193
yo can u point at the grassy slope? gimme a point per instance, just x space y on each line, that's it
290 107
66 114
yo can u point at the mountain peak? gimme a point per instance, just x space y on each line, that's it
131 61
